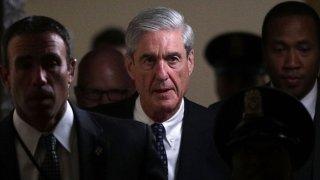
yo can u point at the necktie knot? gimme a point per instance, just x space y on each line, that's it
158 130
49 142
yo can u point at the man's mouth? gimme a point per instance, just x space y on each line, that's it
292 80
162 90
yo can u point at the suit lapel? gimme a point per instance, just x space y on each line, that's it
194 145
92 148
316 121
8 157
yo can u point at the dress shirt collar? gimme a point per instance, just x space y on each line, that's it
172 126
30 136
309 101
172 140
141 116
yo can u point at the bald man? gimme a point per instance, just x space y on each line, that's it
102 78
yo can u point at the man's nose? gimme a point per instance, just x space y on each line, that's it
161 70
104 99
292 59
39 76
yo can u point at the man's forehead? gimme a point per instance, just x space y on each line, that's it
35 38
164 34
36 43
290 19
302 27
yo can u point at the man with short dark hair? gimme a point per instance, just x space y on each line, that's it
45 136
291 50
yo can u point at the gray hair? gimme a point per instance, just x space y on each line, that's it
155 19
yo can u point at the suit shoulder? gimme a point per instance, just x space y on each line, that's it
117 125
195 107
194 104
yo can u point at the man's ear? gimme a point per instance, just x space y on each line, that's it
190 61
72 69
129 66
4 75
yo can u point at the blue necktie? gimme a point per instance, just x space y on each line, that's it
50 165
160 133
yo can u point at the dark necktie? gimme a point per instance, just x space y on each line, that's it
50 165
160 133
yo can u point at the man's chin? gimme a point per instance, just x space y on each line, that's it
167 104
165 96
294 91
43 104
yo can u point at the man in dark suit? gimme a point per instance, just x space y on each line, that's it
291 50
37 68
160 61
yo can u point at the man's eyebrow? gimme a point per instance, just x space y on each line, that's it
277 41
173 54
151 55
22 58
146 55
304 41
51 55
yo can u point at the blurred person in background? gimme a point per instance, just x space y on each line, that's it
236 59
102 78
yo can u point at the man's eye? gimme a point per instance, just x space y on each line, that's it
173 61
148 60
23 63
51 62
304 48
278 48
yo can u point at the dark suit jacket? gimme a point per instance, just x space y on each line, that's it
109 149
314 160
311 169
121 109
198 158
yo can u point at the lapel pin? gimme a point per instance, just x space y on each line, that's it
99 151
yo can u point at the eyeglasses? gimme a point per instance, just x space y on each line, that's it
97 94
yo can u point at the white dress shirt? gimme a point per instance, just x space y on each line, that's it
309 101
173 127
67 152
